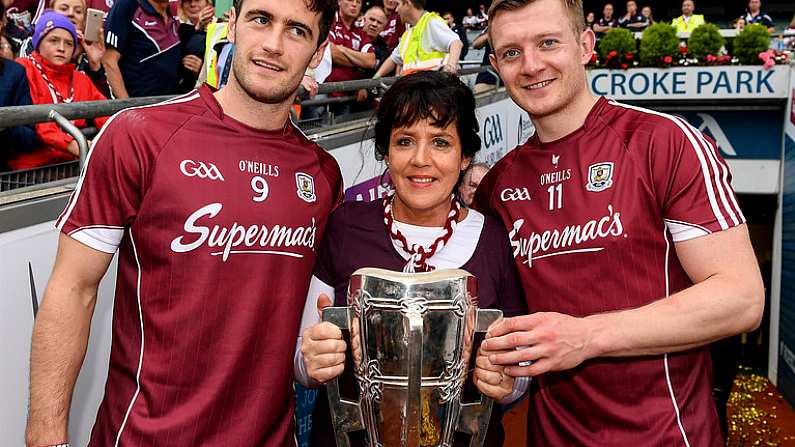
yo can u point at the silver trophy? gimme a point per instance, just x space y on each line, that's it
411 337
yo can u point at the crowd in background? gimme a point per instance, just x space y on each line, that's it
61 51
638 19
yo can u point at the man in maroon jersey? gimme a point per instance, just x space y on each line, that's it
631 247
394 26
216 204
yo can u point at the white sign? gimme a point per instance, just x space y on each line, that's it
734 82
27 256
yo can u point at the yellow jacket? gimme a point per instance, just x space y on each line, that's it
684 26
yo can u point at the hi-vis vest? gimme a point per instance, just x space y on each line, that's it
216 32
410 48
692 23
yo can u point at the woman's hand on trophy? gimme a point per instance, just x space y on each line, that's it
491 379
323 348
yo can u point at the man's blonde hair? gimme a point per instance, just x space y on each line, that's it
573 9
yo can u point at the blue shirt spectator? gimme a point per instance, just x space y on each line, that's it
754 14
14 91
144 52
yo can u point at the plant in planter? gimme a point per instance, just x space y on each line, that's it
618 48
751 41
659 45
704 41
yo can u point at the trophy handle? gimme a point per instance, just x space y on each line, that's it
474 417
346 416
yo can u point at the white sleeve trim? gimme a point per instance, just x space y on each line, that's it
520 387
309 319
683 231
99 237
395 56
439 36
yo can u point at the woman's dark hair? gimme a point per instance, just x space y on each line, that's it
433 95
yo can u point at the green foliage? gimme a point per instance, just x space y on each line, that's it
704 40
619 40
659 41
751 41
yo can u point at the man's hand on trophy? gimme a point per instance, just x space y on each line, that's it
323 348
491 379
534 344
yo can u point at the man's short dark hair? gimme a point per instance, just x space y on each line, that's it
419 4
326 8
436 96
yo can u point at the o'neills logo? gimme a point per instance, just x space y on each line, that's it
258 239
564 241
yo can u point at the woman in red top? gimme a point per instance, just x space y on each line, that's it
53 79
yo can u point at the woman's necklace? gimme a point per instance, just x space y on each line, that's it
419 255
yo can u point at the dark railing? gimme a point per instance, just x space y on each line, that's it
62 113
19 115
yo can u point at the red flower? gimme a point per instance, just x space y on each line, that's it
629 56
594 58
682 50
624 66
711 58
613 53
668 59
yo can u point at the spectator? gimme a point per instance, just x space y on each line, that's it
53 79
375 51
459 29
217 59
590 19
14 91
7 50
470 21
485 80
136 63
688 21
646 11
472 177
633 20
738 23
23 13
18 19
88 55
606 23
754 14
345 39
428 45
195 16
394 26
375 21
483 17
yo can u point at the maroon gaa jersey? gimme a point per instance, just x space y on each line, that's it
217 225
592 219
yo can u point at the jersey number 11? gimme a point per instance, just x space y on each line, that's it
555 196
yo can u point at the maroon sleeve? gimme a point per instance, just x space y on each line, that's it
510 297
330 246
692 182
111 187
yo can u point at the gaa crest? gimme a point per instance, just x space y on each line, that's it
600 176
306 187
